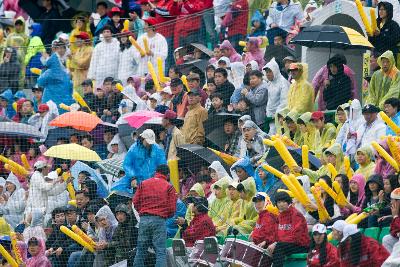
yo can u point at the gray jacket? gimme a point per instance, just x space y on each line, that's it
258 97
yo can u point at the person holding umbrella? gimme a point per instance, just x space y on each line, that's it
174 136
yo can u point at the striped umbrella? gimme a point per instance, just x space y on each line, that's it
112 166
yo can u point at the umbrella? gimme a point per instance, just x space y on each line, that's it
78 120
194 157
279 52
138 118
112 166
125 130
102 188
274 159
331 36
19 129
72 152
214 128
201 64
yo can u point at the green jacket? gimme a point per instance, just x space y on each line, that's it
384 85
219 205
248 214
35 46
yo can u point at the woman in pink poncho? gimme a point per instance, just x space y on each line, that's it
322 75
228 51
382 167
356 195
37 249
254 52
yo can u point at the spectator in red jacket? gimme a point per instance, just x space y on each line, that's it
264 233
155 201
393 238
201 226
321 253
292 235
355 249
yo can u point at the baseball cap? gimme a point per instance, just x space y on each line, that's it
40 164
82 35
194 92
175 82
149 136
43 108
115 10
319 228
370 109
151 21
338 225
258 197
37 88
395 194
154 96
167 90
349 229
170 115
317 115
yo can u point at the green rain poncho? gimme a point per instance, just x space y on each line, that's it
279 127
219 205
297 135
198 188
248 214
384 85
367 169
311 137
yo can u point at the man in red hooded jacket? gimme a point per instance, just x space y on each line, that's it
390 240
292 235
264 232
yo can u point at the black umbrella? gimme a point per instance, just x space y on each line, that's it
194 157
279 52
214 128
125 130
201 64
331 36
19 129
275 160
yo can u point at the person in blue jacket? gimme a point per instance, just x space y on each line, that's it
141 162
56 83
266 182
258 26
172 226
391 108
242 169
6 101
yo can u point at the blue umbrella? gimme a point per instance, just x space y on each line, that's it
102 187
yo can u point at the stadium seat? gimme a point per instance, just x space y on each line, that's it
372 232
384 231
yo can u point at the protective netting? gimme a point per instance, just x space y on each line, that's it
193 133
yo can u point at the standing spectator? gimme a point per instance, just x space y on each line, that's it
152 227
235 22
301 92
157 43
387 34
129 58
116 22
254 52
391 108
19 40
223 86
283 14
193 128
258 26
136 24
80 25
355 249
34 52
384 83
258 96
101 9
174 136
49 20
104 61
322 76
277 87
292 236
56 83
80 60
9 71
337 86
372 129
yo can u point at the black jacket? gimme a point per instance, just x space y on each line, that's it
389 35
9 73
226 90
50 21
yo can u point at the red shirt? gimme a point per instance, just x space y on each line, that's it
155 196
292 228
332 259
395 227
265 229
200 227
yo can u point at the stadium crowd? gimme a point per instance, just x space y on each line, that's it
268 111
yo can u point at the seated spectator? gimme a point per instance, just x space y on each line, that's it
301 93
264 233
327 131
372 129
224 86
355 249
391 108
382 167
37 249
373 187
13 207
220 204
258 96
246 220
366 165
337 230
257 24
384 83
309 134
233 210
292 235
391 240
321 253
341 116
171 223
232 134
217 104
251 144
356 194
292 129
269 183
254 52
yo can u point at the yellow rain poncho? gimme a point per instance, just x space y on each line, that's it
230 213
368 168
311 136
247 214
198 188
384 85
301 92
219 205
297 135
5 228
281 129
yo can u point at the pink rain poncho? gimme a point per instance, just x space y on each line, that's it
233 55
254 52
40 260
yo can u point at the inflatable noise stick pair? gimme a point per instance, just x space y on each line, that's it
294 186
11 261
394 148
341 199
390 123
77 238
14 167
385 155
322 212
70 187
353 219
82 234
160 70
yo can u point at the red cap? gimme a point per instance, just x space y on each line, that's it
317 115
115 10
43 108
142 2
83 36
151 21
170 115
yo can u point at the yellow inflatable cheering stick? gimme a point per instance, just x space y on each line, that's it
146 46
8 257
36 71
272 209
228 159
82 234
341 199
70 187
174 173
185 82
285 154
137 46
390 123
25 162
15 249
326 188
332 170
272 170
322 212
382 152
154 76
119 87
372 14
76 238
394 148
364 18
304 157
347 168
160 70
